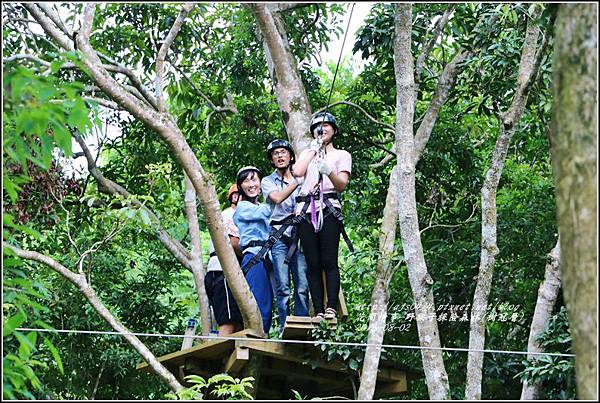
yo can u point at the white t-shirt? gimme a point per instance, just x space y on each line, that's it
231 230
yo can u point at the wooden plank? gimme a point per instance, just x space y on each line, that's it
188 341
207 350
342 308
294 353
301 319
297 327
391 374
390 389
236 360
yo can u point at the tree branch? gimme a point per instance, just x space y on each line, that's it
191 83
104 102
386 127
48 261
89 293
109 187
384 161
440 96
45 7
281 7
197 267
439 26
49 27
449 225
26 56
117 67
160 57
95 247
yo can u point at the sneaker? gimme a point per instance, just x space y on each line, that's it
330 314
320 316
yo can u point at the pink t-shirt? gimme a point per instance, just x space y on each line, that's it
338 160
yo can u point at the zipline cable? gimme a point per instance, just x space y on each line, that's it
316 343
340 57
317 221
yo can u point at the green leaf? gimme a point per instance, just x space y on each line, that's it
12 323
55 354
10 188
79 116
25 345
145 218
220 378
62 136
45 92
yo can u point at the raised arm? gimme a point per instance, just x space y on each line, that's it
300 167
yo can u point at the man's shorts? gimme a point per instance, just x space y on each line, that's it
221 298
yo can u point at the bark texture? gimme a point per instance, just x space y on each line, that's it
290 91
420 280
547 295
574 164
384 270
507 124
380 296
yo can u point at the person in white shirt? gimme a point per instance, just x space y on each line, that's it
226 311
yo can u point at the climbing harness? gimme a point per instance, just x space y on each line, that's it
316 218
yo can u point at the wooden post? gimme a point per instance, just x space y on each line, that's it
190 331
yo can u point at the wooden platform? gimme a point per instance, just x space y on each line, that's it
285 366
298 327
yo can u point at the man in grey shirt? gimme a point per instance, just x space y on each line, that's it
280 190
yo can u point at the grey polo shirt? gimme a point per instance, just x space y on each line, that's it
275 183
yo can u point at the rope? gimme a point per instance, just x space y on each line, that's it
316 343
318 222
340 57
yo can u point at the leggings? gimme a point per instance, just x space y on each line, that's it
321 253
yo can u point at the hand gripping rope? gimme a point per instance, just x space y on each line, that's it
318 221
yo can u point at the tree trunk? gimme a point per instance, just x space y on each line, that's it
196 255
290 91
378 318
380 296
574 164
547 295
164 125
507 122
420 281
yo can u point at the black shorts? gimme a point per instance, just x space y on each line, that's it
221 299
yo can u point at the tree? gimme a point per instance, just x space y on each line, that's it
205 87
574 165
508 121
547 295
421 281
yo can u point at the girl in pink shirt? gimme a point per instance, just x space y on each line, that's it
326 171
